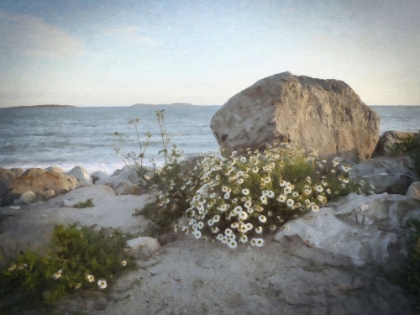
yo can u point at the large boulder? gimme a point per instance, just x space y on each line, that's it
40 182
323 114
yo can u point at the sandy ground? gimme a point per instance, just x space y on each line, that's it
186 276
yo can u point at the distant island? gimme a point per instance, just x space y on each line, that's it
46 106
173 104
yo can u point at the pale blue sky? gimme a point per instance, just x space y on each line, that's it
102 53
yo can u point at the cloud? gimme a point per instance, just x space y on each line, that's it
32 36
131 35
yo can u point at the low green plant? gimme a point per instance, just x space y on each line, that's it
166 179
151 176
84 204
241 198
80 259
408 275
133 158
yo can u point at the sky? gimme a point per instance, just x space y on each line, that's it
119 53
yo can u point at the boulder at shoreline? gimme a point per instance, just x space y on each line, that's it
326 115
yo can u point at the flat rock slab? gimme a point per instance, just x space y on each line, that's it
34 224
195 277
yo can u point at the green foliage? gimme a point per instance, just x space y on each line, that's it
80 259
173 199
239 199
408 276
134 158
84 204
152 177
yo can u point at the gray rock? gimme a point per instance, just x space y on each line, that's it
99 176
121 178
82 176
388 174
365 229
326 115
389 139
143 247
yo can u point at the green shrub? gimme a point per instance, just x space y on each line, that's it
84 204
240 199
408 275
79 259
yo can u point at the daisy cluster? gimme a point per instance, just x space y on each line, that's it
239 199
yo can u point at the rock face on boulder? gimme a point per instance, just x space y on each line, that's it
323 114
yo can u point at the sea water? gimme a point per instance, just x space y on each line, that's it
84 136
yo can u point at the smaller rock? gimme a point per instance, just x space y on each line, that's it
45 195
15 207
17 171
99 176
128 188
388 174
389 139
82 176
143 247
26 198
413 191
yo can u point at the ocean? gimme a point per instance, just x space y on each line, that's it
84 136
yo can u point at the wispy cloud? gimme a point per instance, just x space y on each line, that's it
32 36
131 35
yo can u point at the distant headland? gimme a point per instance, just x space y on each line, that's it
173 104
46 106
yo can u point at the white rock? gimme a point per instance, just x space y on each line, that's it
359 227
82 176
127 174
143 246
99 176
15 207
325 231
26 198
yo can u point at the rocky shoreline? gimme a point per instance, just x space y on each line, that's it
327 262
332 260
